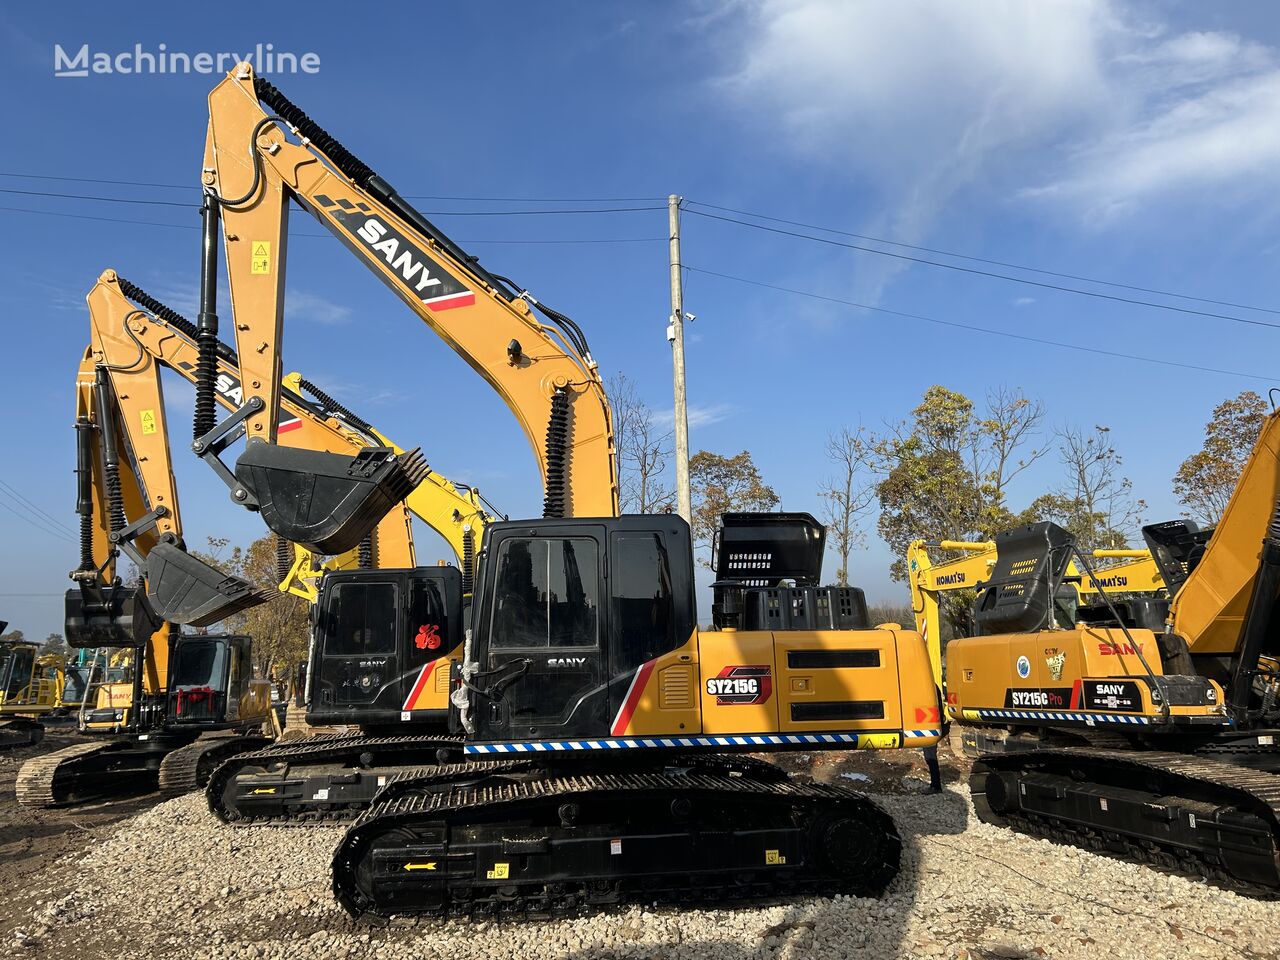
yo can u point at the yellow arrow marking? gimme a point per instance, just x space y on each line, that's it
264 790
431 865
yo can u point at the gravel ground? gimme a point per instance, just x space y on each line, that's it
172 882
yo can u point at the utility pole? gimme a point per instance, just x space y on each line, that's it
675 333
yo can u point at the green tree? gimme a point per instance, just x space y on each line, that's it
55 644
1206 479
719 484
17 636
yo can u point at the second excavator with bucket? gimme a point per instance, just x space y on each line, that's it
1149 729
191 700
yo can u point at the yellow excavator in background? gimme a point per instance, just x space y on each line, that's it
1134 572
601 734
157 728
35 686
1149 728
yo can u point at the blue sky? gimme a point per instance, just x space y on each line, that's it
1130 142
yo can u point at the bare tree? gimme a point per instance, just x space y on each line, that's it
845 499
1095 501
643 450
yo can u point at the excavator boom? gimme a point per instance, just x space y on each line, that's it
543 373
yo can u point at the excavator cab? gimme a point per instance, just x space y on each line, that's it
208 679
557 643
382 640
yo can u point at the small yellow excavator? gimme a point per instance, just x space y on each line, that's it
35 686
596 751
1148 729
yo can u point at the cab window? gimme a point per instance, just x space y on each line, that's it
362 619
642 608
547 593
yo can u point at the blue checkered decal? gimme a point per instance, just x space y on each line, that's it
633 743
1067 717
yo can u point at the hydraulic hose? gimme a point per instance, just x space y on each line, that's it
110 452
205 417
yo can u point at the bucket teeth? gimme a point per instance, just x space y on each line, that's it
184 589
327 502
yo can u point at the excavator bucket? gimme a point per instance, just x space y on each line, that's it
327 502
184 589
108 616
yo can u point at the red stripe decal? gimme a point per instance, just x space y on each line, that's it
1075 695
448 303
629 703
423 676
291 425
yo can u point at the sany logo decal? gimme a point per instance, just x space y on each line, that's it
1119 649
228 388
424 278
741 686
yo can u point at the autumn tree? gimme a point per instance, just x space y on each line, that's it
719 484
54 644
280 627
643 450
945 472
1095 501
1206 479
16 636
845 498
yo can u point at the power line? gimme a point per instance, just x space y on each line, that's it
997 263
83 196
976 329
194 226
43 529
409 196
45 515
988 273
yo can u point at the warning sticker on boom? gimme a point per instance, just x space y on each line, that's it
260 256
741 686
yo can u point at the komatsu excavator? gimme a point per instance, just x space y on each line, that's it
151 730
35 686
597 733
1147 730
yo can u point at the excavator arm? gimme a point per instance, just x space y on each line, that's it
544 373
130 323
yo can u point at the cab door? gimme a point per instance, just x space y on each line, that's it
542 637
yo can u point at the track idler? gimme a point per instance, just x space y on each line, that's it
327 502
184 589
108 616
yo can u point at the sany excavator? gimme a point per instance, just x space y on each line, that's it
1134 571
137 335
151 730
596 734
1149 729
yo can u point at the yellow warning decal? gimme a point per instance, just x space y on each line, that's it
774 858
148 418
500 871
878 741
264 790
970 715
260 258
429 865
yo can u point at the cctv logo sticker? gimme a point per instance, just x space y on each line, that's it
741 686
413 270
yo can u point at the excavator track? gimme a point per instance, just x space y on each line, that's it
41 781
1177 812
18 732
329 778
510 844
189 768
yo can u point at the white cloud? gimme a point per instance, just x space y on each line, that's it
699 415
1086 105
1024 301
300 305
